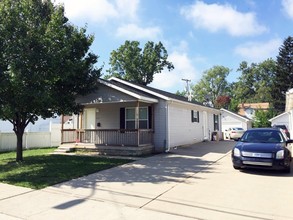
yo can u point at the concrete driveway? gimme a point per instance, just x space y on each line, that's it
196 182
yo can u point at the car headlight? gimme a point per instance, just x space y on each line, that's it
280 154
236 152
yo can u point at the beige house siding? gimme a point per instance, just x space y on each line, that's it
289 100
248 109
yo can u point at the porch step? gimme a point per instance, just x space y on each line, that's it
65 149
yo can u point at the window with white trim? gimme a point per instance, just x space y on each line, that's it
130 121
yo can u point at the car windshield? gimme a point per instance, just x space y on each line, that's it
263 136
239 129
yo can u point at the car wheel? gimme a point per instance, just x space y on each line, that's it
236 167
287 169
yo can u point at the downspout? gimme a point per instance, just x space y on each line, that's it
167 129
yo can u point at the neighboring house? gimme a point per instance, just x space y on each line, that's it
231 120
248 109
286 118
121 113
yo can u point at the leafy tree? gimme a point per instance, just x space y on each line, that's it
222 101
255 82
261 118
131 63
44 63
233 106
212 84
283 78
183 93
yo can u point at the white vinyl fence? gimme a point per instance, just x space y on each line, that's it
32 139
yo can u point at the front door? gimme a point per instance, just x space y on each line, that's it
90 118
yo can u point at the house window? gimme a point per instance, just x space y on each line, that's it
216 122
130 118
194 116
130 121
143 118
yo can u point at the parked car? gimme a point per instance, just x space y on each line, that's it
263 148
235 133
284 128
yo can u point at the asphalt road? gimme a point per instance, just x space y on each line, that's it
195 182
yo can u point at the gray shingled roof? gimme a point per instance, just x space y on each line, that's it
161 92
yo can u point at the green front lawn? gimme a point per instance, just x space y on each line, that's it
41 169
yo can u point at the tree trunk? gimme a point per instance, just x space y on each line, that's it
19 136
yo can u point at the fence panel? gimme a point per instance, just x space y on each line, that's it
30 140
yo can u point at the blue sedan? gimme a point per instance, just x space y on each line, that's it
267 148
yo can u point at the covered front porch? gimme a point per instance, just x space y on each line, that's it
109 137
111 142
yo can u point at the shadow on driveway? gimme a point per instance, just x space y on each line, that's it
175 166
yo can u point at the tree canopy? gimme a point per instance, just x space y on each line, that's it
212 84
255 82
283 77
132 63
44 63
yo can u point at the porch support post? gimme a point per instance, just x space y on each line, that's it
137 121
80 125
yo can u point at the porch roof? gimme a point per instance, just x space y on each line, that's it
134 93
156 93
132 96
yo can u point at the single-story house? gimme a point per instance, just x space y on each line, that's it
231 120
125 114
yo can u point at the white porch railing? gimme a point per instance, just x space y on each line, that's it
114 137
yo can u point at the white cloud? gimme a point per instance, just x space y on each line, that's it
99 10
288 7
259 51
172 81
133 32
216 17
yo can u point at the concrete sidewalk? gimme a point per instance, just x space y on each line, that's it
136 190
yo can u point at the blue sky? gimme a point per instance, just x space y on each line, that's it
197 34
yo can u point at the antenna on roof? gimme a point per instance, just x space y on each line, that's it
189 96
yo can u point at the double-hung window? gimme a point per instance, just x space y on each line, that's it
194 116
130 118
132 123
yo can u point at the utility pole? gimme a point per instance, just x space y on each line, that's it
189 97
